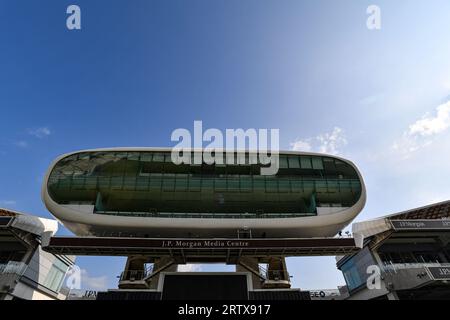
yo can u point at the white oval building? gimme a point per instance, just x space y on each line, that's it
140 192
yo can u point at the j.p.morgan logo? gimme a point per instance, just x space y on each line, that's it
434 224
440 273
205 244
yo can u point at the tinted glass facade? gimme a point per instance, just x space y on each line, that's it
148 183
355 269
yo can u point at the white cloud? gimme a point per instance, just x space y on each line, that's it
7 203
333 141
424 131
301 145
40 133
189 267
329 142
93 283
428 126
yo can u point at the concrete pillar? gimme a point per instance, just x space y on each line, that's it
248 264
134 273
135 267
277 274
163 264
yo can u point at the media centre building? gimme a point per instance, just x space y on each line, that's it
139 203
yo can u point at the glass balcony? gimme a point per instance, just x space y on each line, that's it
13 267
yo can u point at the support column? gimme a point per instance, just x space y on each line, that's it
246 264
277 274
133 275
165 264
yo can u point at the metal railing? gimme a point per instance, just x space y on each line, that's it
207 215
13 267
273 275
136 275
394 267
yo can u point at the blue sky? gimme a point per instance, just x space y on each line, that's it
138 70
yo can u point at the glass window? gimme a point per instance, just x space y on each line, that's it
317 163
321 186
356 186
293 162
351 275
345 169
70 159
195 184
309 186
158 157
333 186
78 183
233 184
155 180
133 156
284 185
220 184
116 183
142 184
345 186
181 184
121 155
283 162
84 156
168 182
103 182
259 184
271 185
208 184
305 162
55 276
297 186
129 183
328 164
146 157
91 183
355 269
246 184
168 158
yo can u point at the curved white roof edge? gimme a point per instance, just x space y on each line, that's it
168 149
33 224
365 229
381 224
